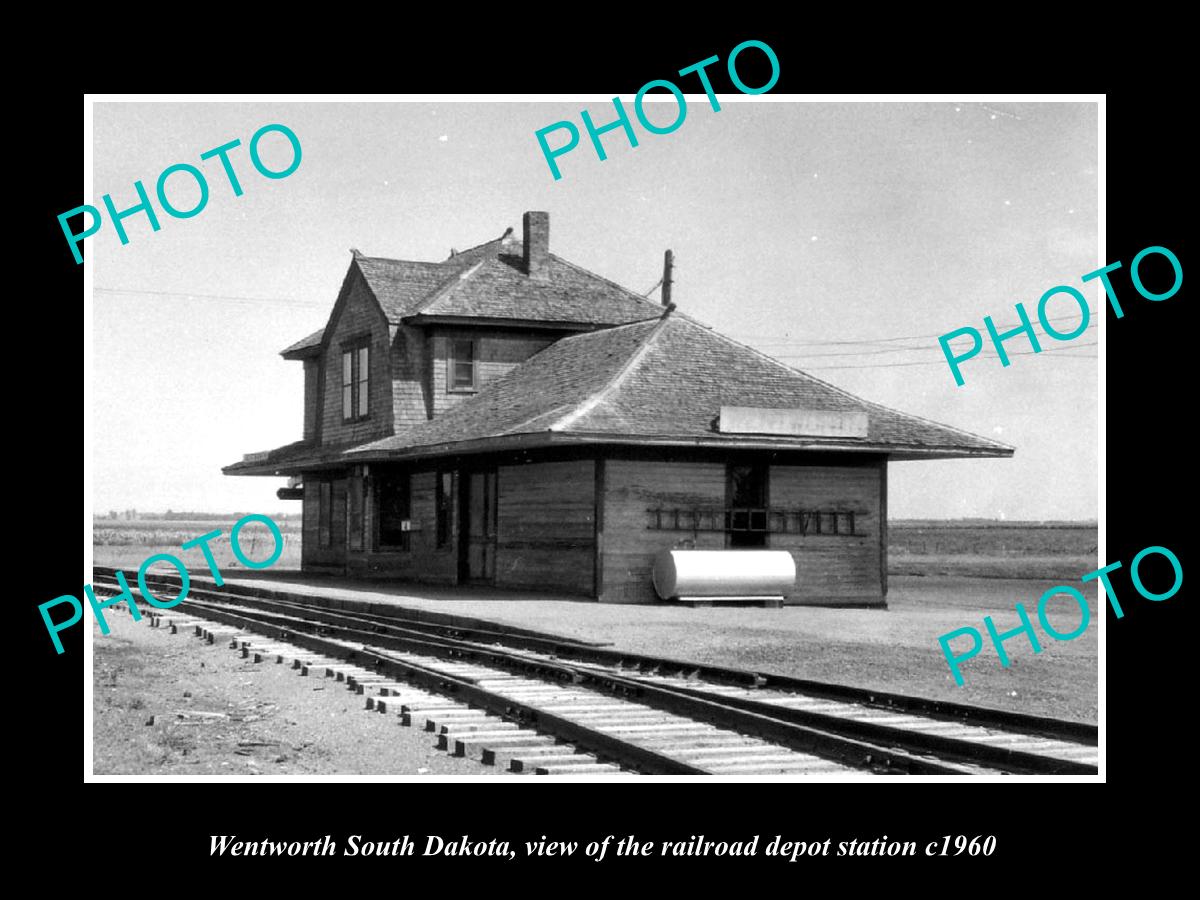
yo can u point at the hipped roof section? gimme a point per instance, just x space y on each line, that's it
665 381
660 382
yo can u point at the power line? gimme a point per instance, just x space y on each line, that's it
1058 354
900 365
910 337
227 297
922 348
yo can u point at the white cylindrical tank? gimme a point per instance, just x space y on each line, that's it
724 573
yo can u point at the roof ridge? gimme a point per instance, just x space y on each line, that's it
417 262
605 329
450 260
473 249
842 391
621 287
516 429
444 287
617 380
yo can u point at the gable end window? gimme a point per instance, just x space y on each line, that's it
460 366
356 370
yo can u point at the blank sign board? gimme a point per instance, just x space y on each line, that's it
794 422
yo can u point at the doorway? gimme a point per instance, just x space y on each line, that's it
477 547
746 504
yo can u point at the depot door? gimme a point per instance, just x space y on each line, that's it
477 550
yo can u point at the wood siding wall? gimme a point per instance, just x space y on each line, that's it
497 353
546 526
833 569
545 538
314 557
423 561
309 523
410 386
359 315
547 533
630 488
312 398
830 570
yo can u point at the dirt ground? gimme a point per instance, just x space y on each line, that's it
889 650
168 704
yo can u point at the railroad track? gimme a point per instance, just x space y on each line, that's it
529 690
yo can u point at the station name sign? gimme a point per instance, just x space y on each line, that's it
793 422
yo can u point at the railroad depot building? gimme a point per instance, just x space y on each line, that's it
504 417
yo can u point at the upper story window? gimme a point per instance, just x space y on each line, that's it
356 371
460 375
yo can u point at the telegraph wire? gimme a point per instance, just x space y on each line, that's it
227 297
874 342
1058 354
910 337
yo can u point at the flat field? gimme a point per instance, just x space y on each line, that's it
992 549
126 542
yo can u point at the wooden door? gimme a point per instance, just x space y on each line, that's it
478 560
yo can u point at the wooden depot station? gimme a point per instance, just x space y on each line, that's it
504 417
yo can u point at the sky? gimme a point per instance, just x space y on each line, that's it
842 238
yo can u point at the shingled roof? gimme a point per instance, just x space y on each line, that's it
490 282
400 284
496 287
635 375
289 459
308 346
663 382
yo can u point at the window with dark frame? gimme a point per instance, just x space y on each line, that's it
325 514
445 494
746 513
395 508
461 363
356 370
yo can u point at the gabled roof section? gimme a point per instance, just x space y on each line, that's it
664 382
535 395
400 284
497 287
488 283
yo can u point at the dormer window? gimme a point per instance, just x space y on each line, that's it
461 365
355 380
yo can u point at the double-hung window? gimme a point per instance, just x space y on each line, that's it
461 366
356 371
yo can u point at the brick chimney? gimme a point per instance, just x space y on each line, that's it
537 243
